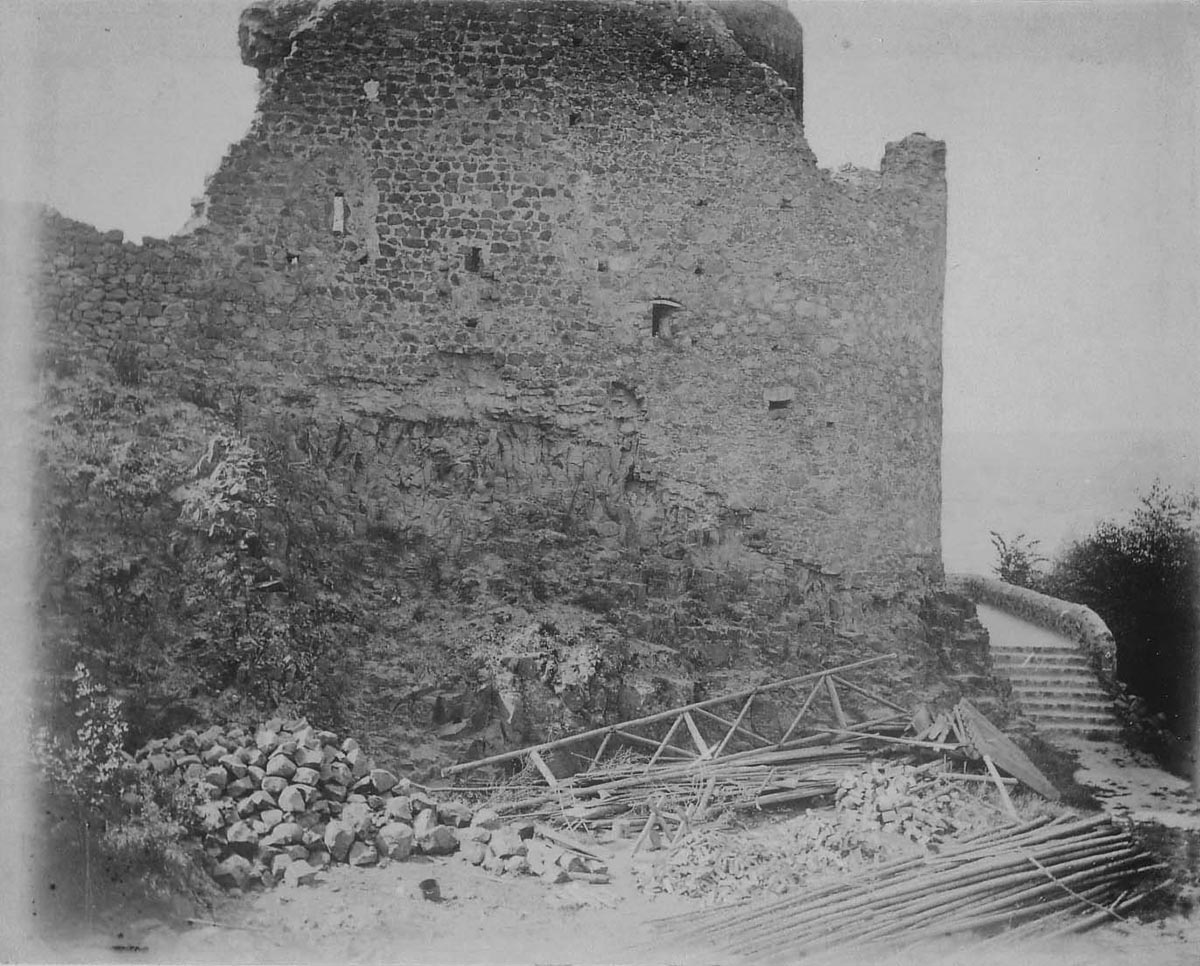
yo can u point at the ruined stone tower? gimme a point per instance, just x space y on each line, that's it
488 256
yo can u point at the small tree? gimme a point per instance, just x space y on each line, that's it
1017 560
130 823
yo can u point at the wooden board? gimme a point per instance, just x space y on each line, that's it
992 742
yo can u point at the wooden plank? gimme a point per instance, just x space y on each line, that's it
546 832
1008 805
664 715
909 742
838 714
959 777
541 766
992 743
701 744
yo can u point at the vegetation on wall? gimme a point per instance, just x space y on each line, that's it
1017 560
156 571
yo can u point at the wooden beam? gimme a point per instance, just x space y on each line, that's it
800 714
735 725
838 714
600 753
867 694
651 743
1008 805
541 766
701 744
663 745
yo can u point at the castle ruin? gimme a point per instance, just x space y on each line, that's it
560 285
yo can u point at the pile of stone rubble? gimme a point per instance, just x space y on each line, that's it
284 801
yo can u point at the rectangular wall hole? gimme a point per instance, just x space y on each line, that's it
474 260
339 213
661 311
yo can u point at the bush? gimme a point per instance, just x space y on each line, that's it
1141 578
1017 560
129 824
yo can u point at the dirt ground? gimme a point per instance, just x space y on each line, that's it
379 916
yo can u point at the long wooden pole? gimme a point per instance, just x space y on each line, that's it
661 715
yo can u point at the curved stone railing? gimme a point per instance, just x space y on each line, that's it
1074 621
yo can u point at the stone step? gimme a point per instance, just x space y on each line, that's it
1041 706
1037 648
1050 679
1024 657
1081 718
1108 727
1111 732
1069 677
1065 701
1037 689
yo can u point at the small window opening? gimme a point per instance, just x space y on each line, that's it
573 118
661 311
471 323
602 265
292 259
474 260
779 399
339 213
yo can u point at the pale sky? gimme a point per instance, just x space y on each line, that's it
1072 133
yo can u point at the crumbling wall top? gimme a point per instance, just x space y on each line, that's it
768 33
265 30
760 32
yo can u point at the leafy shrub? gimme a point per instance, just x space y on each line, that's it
87 767
1141 578
1017 560
131 824
230 490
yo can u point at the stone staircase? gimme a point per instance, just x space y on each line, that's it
1050 676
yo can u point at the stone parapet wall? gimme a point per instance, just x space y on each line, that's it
1075 621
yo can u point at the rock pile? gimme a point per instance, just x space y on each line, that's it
282 802
521 848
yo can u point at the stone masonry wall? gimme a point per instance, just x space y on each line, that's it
476 256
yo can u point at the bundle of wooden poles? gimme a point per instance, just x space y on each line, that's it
751 779
1046 875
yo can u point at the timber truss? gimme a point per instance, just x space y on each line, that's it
723 729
